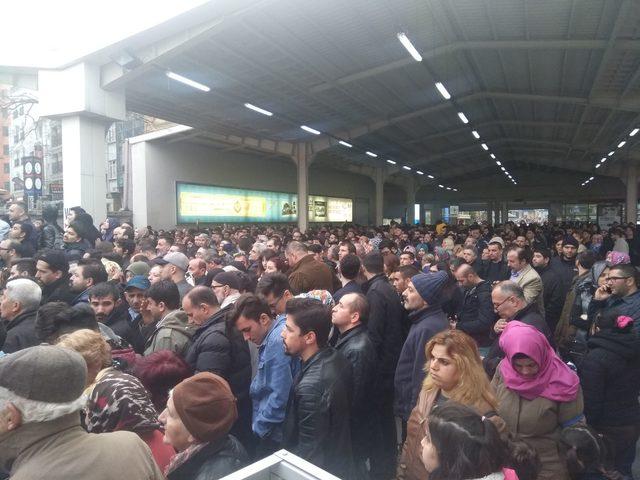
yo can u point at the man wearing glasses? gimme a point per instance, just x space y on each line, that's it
509 304
620 291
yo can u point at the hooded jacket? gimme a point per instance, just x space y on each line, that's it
425 323
61 449
171 333
610 378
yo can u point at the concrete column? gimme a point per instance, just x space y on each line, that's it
632 194
76 97
489 211
83 147
379 182
504 212
302 160
410 200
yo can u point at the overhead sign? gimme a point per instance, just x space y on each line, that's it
211 204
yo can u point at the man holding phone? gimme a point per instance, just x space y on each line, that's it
620 292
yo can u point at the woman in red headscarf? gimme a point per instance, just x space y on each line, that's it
538 395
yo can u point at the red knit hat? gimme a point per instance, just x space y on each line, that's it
206 406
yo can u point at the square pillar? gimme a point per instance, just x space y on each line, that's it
302 160
84 171
632 194
379 181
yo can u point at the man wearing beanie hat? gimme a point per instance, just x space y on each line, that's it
197 420
41 394
422 299
565 264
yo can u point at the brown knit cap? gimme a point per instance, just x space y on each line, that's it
206 406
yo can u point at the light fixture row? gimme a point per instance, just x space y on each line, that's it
603 160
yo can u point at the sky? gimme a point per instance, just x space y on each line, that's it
49 33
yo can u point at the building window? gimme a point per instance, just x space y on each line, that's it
5 149
7 185
7 168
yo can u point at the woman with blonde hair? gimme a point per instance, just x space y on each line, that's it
116 400
454 372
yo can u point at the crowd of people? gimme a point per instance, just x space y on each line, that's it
411 352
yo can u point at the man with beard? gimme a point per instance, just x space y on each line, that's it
87 274
317 422
109 309
554 293
52 271
565 264
170 330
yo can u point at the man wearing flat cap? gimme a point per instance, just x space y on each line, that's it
41 395
422 299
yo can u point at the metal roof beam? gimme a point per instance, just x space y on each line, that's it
456 47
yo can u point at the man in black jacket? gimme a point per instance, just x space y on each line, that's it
385 331
52 271
350 317
476 316
495 269
18 306
554 292
565 264
317 423
218 349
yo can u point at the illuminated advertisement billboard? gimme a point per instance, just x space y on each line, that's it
211 204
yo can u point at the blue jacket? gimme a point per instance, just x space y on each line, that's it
271 386
351 287
425 324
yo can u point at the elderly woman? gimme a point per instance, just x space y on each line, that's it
197 420
538 395
454 372
116 400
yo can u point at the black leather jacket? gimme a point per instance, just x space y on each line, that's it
216 460
317 424
358 349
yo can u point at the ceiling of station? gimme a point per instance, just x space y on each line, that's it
550 86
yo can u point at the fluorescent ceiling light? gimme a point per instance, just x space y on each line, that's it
634 131
463 117
604 159
484 145
621 144
448 188
391 162
475 134
310 130
455 189
431 176
187 81
406 43
503 169
498 162
258 109
441 186
406 168
591 178
493 156
345 144
443 91
371 154
610 153
419 172
598 165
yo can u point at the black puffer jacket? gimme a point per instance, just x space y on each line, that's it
58 291
356 346
21 332
476 316
317 424
216 460
610 378
385 327
223 351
